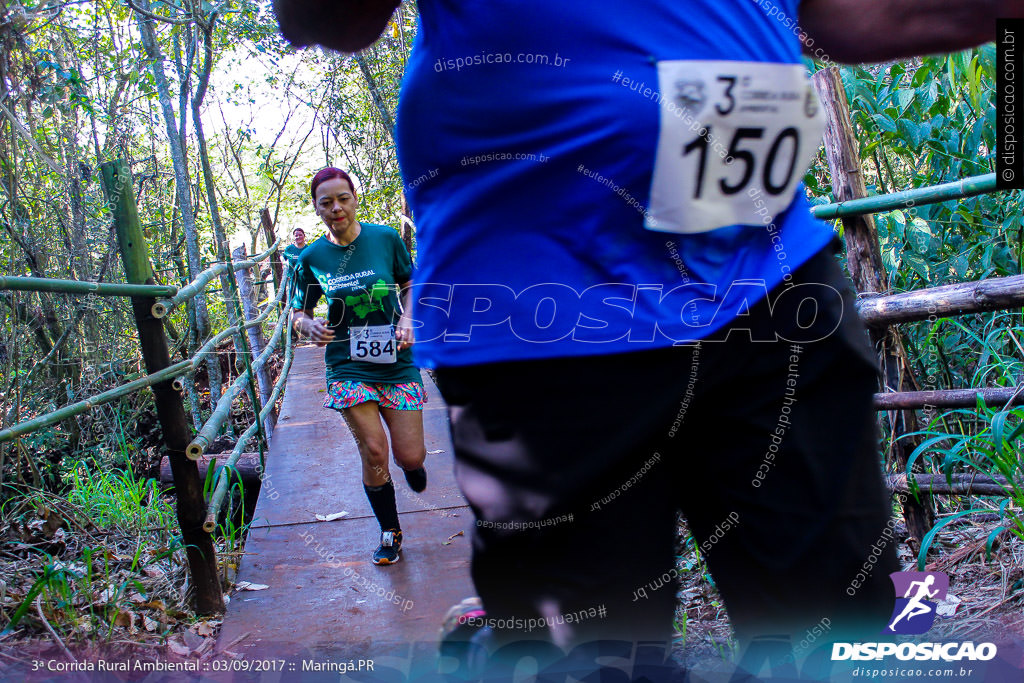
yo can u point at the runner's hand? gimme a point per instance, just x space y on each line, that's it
316 329
404 332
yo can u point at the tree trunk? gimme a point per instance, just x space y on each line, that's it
378 101
864 258
182 184
275 259
220 239
191 505
250 309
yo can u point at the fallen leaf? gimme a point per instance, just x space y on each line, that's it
150 624
333 516
125 619
106 595
71 567
178 648
947 607
248 586
453 537
205 629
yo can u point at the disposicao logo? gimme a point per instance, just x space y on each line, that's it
917 596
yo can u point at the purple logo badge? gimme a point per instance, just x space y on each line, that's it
916 596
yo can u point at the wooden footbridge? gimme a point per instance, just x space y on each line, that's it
320 598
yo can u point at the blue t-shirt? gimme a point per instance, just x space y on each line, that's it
528 165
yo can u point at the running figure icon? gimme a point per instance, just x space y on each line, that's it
920 592
916 607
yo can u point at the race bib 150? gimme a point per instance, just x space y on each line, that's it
728 131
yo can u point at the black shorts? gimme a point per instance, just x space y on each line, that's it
576 468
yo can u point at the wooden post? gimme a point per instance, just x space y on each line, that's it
250 310
245 353
248 467
864 259
407 225
191 507
271 236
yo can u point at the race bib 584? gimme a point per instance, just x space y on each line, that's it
373 344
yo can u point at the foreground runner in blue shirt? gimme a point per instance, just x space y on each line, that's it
596 185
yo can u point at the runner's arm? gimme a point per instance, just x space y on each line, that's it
880 30
404 329
314 328
343 25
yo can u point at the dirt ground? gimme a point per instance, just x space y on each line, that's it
148 621
986 594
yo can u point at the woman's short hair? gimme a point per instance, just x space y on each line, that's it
325 174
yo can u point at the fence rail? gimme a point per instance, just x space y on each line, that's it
178 370
958 189
164 377
45 284
230 465
165 306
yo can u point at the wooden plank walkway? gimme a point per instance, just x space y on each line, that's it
326 600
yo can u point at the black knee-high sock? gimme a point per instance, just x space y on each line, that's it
382 500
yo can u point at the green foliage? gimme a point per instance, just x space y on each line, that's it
117 498
921 123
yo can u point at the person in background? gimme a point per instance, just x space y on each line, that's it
292 251
363 269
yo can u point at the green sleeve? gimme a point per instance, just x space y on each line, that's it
402 265
307 288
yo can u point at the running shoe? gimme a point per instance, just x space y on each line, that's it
390 545
417 479
464 636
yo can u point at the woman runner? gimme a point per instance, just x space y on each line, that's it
362 268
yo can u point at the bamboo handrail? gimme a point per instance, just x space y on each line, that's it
968 484
242 343
212 343
931 303
958 189
174 371
949 398
209 430
73 409
164 306
221 488
46 284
